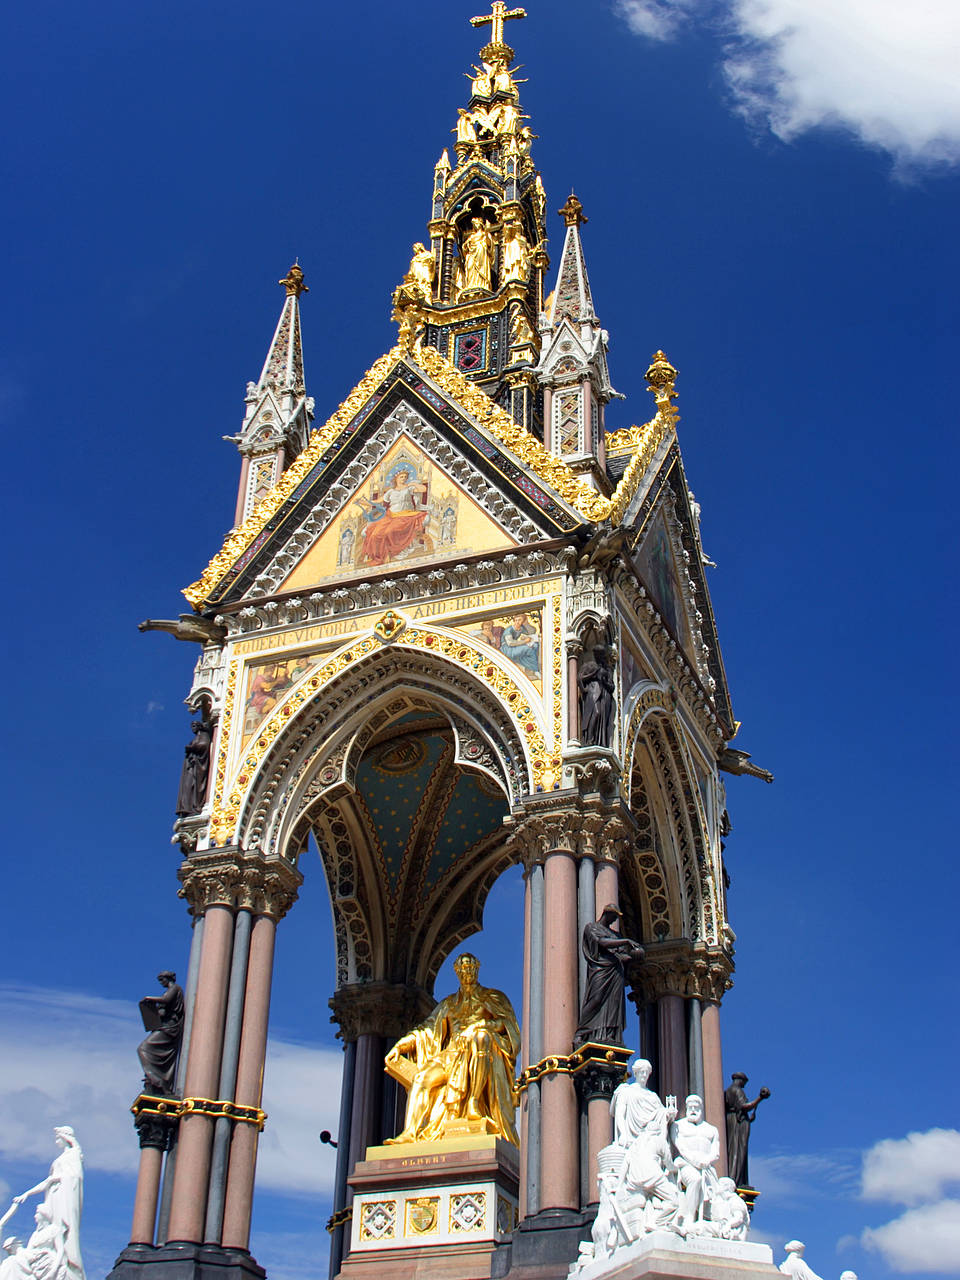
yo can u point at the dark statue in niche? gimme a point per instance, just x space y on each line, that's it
597 688
741 1113
196 769
163 1019
601 1014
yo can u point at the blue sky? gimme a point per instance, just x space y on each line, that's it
772 188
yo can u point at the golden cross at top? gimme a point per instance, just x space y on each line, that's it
497 18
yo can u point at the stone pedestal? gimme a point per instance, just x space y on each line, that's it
662 1255
432 1208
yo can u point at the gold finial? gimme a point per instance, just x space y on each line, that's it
499 15
293 281
661 376
572 213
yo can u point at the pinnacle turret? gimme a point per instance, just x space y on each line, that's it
573 362
276 424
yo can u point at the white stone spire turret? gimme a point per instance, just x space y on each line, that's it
276 425
573 362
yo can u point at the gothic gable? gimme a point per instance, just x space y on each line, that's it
495 498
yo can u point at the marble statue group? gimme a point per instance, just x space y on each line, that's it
53 1249
658 1174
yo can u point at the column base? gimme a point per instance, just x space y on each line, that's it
543 1246
185 1261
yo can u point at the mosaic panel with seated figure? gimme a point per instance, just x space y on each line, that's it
407 511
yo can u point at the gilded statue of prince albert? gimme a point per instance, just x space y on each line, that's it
458 1065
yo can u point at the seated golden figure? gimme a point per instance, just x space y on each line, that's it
458 1065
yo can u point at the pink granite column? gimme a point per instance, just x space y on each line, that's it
189 1201
560 1176
600 1130
525 1034
249 1091
608 885
548 418
148 1193
241 499
673 1047
713 1104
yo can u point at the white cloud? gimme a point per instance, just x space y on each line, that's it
795 1176
914 1169
73 1061
920 1167
925 1239
655 19
882 70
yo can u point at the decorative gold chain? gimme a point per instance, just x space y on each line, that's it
173 1108
573 1063
339 1219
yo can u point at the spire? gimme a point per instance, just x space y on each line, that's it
276 425
572 297
474 286
573 362
283 368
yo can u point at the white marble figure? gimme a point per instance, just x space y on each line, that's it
42 1258
794 1265
729 1216
657 1175
848 1275
646 1194
53 1252
696 1149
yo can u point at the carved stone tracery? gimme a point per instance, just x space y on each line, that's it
680 967
386 1009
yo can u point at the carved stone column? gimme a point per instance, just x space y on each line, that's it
559 1180
533 987
595 1085
674 974
574 649
154 1130
216 882
188 1207
372 1017
713 1103
267 893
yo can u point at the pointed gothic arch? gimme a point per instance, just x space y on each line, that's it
309 783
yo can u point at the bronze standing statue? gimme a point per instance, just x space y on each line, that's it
741 1114
196 768
597 689
601 1014
163 1019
